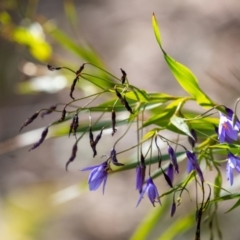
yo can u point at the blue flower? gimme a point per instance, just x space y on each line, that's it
173 158
193 164
226 131
232 163
151 191
98 175
170 172
140 175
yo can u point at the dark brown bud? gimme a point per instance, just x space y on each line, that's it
127 106
193 141
168 180
74 125
80 69
114 158
113 122
143 169
123 78
63 115
118 94
73 156
98 137
92 143
29 120
73 87
159 153
48 111
51 68
43 136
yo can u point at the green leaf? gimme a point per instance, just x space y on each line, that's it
237 204
149 222
156 30
218 185
180 123
65 41
138 95
179 226
162 118
70 11
226 197
183 75
161 97
188 81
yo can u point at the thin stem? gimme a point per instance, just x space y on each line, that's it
123 135
104 71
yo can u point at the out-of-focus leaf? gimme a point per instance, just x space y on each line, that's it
70 11
38 47
178 227
237 204
85 53
149 222
226 197
218 185
5 18
181 124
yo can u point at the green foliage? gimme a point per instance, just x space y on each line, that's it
152 114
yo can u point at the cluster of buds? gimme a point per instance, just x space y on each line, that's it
227 132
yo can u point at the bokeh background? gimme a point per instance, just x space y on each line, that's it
38 198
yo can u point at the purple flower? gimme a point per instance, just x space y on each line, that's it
173 208
170 172
226 131
140 175
173 158
152 192
193 164
98 175
232 163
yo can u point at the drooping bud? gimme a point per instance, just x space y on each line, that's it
114 158
123 78
43 136
92 143
73 87
80 69
73 156
51 68
167 178
113 122
98 137
173 158
63 115
74 125
170 172
127 106
48 111
140 174
173 208
191 140
29 120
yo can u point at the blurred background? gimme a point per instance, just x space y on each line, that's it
38 198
